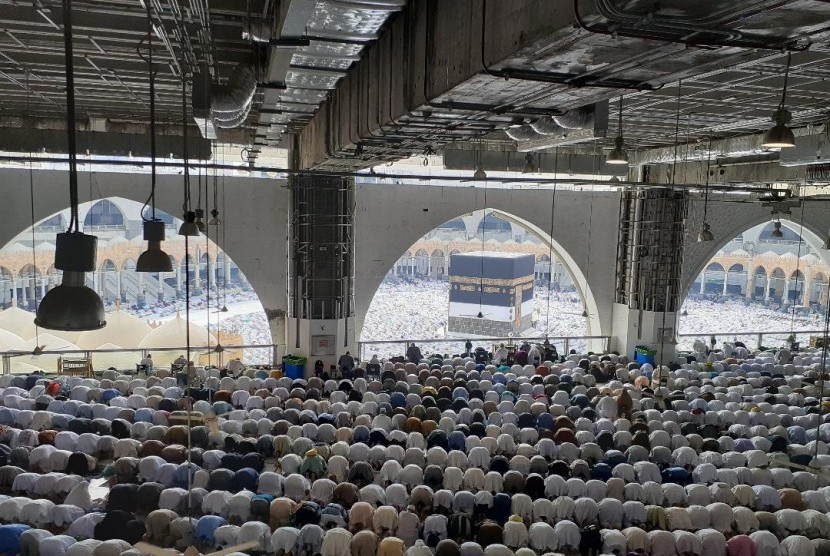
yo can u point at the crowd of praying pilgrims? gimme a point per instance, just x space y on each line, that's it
723 453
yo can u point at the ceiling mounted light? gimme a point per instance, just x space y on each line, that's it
618 155
480 174
480 315
200 222
776 231
780 136
154 259
72 306
530 165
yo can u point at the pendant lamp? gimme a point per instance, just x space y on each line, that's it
200 220
530 165
776 232
154 259
618 155
706 234
780 136
72 306
189 226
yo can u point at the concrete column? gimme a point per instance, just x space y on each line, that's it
197 279
725 283
652 229
806 288
703 282
226 272
750 286
31 290
321 324
42 288
823 296
178 281
14 292
785 297
121 294
211 272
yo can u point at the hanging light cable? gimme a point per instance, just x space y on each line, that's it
154 259
780 136
188 227
38 350
214 212
706 234
618 155
72 306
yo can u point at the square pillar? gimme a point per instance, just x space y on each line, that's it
321 318
649 259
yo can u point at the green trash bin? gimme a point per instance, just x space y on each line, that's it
293 367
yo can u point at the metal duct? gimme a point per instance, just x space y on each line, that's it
229 101
579 118
547 126
522 133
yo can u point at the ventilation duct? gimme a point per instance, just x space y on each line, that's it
579 125
223 106
547 126
579 118
522 133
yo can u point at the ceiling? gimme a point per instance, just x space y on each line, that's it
729 84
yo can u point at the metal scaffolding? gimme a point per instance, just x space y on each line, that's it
322 245
650 248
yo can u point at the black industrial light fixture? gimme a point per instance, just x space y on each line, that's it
154 259
706 234
72 306
776 230
189 226
618 155
780 136
530 165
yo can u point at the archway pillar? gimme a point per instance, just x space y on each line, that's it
725 283
649 257
750 285
321 273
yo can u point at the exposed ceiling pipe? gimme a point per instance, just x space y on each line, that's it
578 118
231 102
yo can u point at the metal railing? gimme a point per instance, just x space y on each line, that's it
277 350
456 345
747 336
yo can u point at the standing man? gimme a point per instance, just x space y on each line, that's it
413 354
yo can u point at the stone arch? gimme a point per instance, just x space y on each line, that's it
437 263
795 287
811 223
104 214
580 282
6 285
30 286
817 293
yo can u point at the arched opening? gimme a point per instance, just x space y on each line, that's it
415 303
735 281
6 287
152 297
437 265
30 286
769 285
777 282
104 215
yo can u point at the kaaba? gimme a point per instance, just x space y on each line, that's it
498 285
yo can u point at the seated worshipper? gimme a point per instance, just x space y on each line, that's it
413 354
346 365
146 365
236 367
